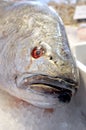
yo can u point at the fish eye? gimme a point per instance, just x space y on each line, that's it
37 52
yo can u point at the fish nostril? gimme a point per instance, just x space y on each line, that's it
51 57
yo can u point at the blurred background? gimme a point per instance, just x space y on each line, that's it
66 9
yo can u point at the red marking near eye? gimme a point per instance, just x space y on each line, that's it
37 52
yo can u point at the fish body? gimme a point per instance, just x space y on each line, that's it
36 63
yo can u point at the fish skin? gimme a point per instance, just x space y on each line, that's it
25 25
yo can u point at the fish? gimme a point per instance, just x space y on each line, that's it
36 62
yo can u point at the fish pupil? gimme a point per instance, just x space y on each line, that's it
38 52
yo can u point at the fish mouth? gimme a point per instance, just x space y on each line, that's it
57 87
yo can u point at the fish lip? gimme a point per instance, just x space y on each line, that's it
56 84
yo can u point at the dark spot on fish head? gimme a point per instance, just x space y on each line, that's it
64 97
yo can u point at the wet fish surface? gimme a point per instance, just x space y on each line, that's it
36 63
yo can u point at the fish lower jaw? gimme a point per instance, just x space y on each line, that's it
38 100
43 104
43 100
46 101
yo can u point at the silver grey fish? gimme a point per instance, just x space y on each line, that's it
36 63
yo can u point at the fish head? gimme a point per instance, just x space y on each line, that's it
38 67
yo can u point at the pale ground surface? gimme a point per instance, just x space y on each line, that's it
16 115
